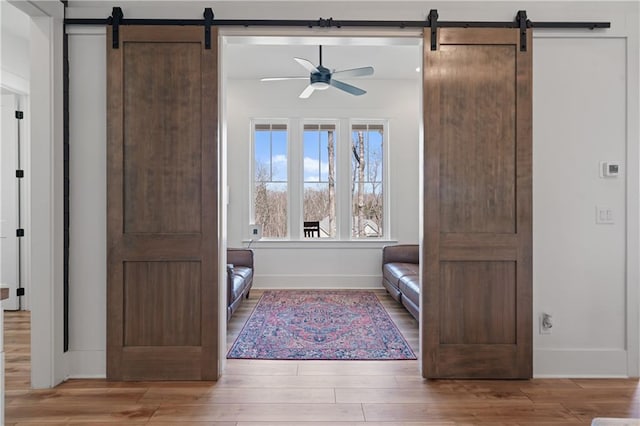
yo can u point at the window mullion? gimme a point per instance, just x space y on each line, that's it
343 179
295 178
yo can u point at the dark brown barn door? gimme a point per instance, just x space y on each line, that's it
162 231
476 303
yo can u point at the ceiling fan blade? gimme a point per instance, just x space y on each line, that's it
306 92
347 87
355 72
306 64
283 78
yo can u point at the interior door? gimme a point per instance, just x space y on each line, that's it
162 204
9 246
476 260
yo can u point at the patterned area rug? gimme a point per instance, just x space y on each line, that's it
330 325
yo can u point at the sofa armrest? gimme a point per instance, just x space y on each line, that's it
405 253
240 257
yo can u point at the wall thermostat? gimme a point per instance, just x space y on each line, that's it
609 168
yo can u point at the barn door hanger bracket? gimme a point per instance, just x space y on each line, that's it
114 20
117 19
523 23
433 24
208 21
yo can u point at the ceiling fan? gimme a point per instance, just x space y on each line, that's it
320 78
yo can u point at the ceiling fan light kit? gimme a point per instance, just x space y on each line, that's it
320 78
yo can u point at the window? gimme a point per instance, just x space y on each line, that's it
271 179
319 188
322 182
366 180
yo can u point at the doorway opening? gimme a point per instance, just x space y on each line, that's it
339 258
15 271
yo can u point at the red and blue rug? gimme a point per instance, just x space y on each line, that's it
315 325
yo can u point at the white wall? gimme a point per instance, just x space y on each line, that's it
585 274
315 264
14 45
15 55
48 361
88 204
579 266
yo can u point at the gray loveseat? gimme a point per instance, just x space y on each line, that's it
401 275
239 277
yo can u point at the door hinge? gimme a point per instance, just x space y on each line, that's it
20 232
19 174
19 115
20 291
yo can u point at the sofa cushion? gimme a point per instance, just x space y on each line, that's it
410 288
238 284
394 271
244 272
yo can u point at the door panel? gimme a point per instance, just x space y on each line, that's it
476 295
162 307
478 301
162 290
477 184
162 175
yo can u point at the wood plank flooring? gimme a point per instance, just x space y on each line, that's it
314 393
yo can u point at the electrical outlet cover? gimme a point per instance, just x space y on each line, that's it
255 231
542 327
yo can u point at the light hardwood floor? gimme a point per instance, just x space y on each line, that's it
314 393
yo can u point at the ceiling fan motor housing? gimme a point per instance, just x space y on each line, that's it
321 79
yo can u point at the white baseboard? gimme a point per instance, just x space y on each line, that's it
547 363
579 363
317 282
87 364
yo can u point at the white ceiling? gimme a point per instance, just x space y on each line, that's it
257 57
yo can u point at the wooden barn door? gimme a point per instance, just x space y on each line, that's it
162 204
477 273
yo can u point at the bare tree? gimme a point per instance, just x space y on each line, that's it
270 205
358 152
367 199
332 184
374 209
316 203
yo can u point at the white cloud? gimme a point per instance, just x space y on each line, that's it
280 159
312 167
279 167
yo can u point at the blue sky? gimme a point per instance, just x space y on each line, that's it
272 143
316 167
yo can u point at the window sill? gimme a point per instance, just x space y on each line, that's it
318 244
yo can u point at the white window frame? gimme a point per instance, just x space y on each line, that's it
385 178
295 183
300 179
252 171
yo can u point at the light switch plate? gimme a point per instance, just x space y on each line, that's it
604 215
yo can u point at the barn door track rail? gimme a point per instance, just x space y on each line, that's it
521 22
